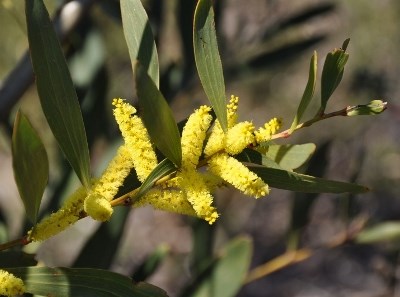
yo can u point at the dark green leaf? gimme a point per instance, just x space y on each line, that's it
256 157
30 164
229 272
332 73
386 231
290 156
164 168
208 61
157 117
139 37
65 282
56 91
292 181
308 92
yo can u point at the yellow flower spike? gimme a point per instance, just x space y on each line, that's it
198 194
10 285
269 129
216 141
98 207
115 174
238 175
239 137
232 111
193 136
66 216
136 138
168 199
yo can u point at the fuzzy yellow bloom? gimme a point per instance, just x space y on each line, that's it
10 285
136 138
115 174
168 199
239 137
269 129
198 194
232 111
66 216
98 207
238 175
216 141
193 136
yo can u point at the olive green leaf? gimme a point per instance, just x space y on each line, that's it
385 231
30 164
332 72
56 91
139 37
157 116
373 108
66 282
208 61
308 92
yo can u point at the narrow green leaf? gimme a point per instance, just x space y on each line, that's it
229 272
308 92
297 182
30 164
56 91
65 282
139 37
332 72
373 108
290 156
256 157
157 117
386 231
208 61
164 168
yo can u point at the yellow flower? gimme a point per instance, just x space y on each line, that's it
232 111
198 194
115 174
136 138
238 175
98 207
239 137
168 199
216 141
10 285
193 136
269 129
67 215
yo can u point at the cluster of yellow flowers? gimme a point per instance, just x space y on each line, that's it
186 192
10 285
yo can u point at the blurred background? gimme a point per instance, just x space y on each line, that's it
265 48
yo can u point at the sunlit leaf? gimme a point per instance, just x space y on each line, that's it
297 182
56 91
65 282
139 37
30 164
308 92
208 61
164 168
332 72
157 117
290 156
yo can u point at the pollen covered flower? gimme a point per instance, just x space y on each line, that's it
10 285
239 137
238 175
136 138
98 207
269 129
168 199
115 174
193 136
232 111
198 194
66 216
216 141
